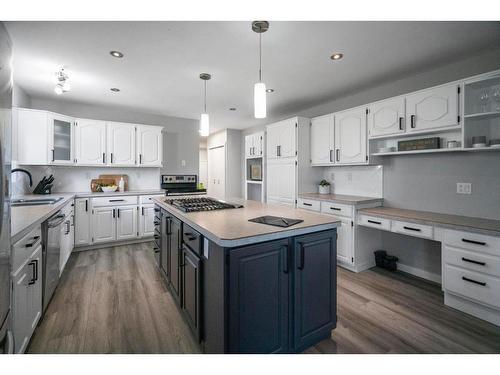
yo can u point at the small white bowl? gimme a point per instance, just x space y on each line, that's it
108 189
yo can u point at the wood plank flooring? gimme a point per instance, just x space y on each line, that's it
113 300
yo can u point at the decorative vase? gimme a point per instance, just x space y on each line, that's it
324 189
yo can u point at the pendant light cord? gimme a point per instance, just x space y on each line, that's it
205 106
260 57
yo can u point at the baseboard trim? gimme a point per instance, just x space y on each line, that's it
420 273
112 244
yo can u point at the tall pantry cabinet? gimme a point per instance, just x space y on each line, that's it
288 162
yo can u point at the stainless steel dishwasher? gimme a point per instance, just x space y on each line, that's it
51 239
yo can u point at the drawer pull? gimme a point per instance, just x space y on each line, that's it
156 237
413 229
35 240
156 250
473 281
473 261
374 222
306 204
117 200
335 208
156 223
191 238
473 242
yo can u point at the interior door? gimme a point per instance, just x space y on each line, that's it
90 142
217 172
149 145
322 140
350 136
61 139
345 241
387 117
433 108
104 224
126 222
121 143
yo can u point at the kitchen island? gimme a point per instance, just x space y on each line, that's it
246 287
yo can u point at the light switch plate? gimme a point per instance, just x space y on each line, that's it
464 188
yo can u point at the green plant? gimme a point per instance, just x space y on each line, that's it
324 183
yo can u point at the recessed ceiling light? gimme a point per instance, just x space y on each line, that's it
232 109
117 54
270 90
336 56
114 89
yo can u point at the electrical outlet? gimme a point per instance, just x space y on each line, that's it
183 163
464 188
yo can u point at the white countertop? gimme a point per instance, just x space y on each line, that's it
341 198
231 228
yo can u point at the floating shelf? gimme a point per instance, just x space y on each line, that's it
481 149
483 115
417 133
254 182
431 151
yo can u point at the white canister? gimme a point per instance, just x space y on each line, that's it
324 189
121 184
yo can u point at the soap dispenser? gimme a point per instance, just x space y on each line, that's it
121 184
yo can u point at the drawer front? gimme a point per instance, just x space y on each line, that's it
308 204
473 241
473 285
412 229
192 239
375 222
23 248
144 199
472 260
114 201
336 209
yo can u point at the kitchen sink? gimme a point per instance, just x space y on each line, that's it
34 201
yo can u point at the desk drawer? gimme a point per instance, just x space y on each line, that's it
412 229
473 241
308 204
375 222
114 201
473 285
336 209
472 260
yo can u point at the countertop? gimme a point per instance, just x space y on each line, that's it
90 194
230 228
470 224
340 198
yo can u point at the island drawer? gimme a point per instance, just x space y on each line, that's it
336 209
413 229
471 260
308 204
192 239
473 241
145 199
23 248
114 201
375 222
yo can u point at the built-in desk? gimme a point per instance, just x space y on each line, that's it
470 249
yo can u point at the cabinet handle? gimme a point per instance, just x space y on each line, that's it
401 123
474 242
306 204
36 269
33 273
114 214
413 229
53 155
374 222
156 222
118 212
35 240
482 283
111 158
86 205
169 227
473 261
156 250
157 209
336 209
338 154
331 156
156 237
284 254
140 158
103 158
142 211
412 121
300 264
117 200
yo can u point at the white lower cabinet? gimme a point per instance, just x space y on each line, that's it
103 224
146 220
345 249
82 223
126 223
282 181
67 236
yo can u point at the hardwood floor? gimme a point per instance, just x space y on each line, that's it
113 300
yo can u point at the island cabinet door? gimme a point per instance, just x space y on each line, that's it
315 288
259 296
175 254
191 289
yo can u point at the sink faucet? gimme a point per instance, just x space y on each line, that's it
24 171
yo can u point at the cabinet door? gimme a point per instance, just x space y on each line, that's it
20 308
191 289
149 145
272 141
175 254
387 117
315 288
90 142
217 172
272 184
249 144
433 108
32 137
345 241
350 137
103 224
281 181
146 220
61 139
259 297
258 144
322 140
66 247
82 222
287 138
165 244
121 143
35 290
126 222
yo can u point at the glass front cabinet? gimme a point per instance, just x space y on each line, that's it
61 139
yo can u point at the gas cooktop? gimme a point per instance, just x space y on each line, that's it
200 204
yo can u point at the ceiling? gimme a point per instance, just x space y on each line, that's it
159 73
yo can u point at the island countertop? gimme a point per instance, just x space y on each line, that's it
231 228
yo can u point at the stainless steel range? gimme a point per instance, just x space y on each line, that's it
184 184
200 204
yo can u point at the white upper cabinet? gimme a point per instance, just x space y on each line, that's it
254 145
32 137
61 139
121 144
433 108
249 144
350 137
282 139
90 142
323 140
149 146
386 117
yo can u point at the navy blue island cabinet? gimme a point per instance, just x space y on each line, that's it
268 297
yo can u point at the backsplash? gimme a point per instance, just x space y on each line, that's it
77 179
357 180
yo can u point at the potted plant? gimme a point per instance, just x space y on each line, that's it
324 187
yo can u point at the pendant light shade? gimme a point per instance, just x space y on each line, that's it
259 91
204 118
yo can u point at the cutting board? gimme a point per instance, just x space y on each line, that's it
116 178
95 183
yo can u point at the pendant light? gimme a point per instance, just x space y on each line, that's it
204 120
259 91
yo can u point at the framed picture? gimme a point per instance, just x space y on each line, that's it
256 172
